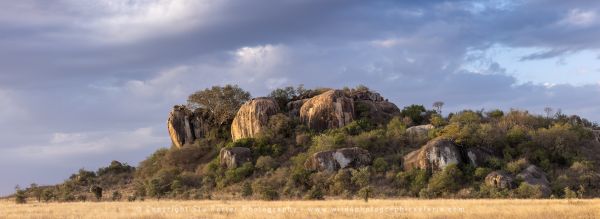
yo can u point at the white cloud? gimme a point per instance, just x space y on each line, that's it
580 18
90 143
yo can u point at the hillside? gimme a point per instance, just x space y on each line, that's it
349 143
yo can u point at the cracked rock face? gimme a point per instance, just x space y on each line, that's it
234 157
334 160
186 126
478 156
500 179
435 155
253 117
332 109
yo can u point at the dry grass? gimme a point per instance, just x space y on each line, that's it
404 208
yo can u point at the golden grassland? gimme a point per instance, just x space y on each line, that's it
380 209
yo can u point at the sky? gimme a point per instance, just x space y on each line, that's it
84 82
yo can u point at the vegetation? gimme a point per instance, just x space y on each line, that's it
564 147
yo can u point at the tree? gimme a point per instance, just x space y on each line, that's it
548 111
37 191
415 112
246 190
48 195
438 106
222 102
283 95
20 196
97 190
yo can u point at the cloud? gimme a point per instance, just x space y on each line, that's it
580 18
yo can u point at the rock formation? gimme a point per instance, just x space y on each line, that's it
186 126
234 157
419 130
374 106
337 159
500 179
294 107
332 109
253 117
435 155
533 175
478 156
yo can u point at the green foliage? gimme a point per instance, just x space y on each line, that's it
97 191
246 190
20 195
481 172
342 182
48 194
361 177
327 141
116 196
366 192
515 167
415 113
265 163
527 190
412 181
396 128
238 174
265 190
569 194
445 182
222 102
284 95
380 165
315 193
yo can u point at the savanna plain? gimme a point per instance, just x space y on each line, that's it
402 208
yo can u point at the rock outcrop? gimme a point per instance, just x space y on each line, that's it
294 107
419 131
234 157
186 126
435 155
535 176
338 159
374 107
500 179
332 109
253 117
478 156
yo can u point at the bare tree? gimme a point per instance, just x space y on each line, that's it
548 110
438 106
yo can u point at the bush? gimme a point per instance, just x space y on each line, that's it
238 174
265 163
97 191
361 177
20 196
482 172
569 194
527 190
515 167
265 190
342 182
116 196
315 193
365 193
445 182
380 165
412 181
48 195
246 190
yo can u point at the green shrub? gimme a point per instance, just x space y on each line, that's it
365 193
515 167
342 182
315 193
20 196
265 163
238 174
447 181
482 172
526 190
116 196
380 165
569 194
246 190
361 177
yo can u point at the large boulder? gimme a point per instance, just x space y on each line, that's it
435 155
373 106
332 109
500 179
535 176
186 126
338 159
234 157
253 117
478 156
419 133
596 135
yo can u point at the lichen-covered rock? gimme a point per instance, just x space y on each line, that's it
500 179
253 117
419 131
373 106
338 159
234 157
186 126
533 175
478 156
596 135
435 155
332 109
